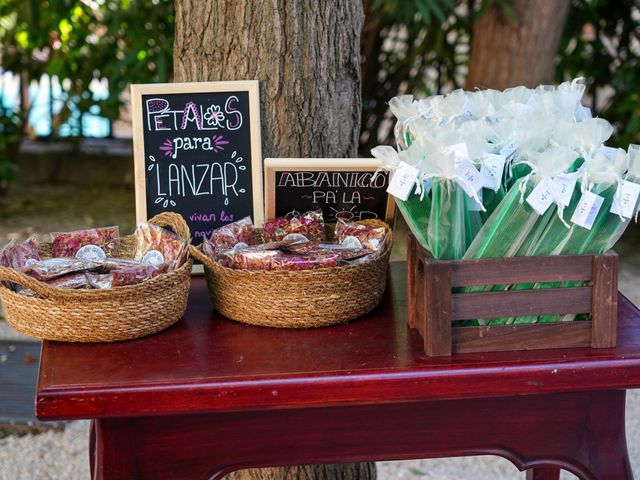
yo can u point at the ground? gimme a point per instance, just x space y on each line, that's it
61 454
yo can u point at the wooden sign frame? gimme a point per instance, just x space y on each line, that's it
250 86
274 165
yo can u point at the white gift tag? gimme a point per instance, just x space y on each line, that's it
403 181
492 169
473 180
587 209
626 199
541 197
565 185
508 150
459 151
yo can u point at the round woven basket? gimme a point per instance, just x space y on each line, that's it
108 315
298 299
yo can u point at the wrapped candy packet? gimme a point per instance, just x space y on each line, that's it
136 274
88 244
305 262
155 245
51 268
18 255
253 259
321 248
240 233
310 225
357 235
73 281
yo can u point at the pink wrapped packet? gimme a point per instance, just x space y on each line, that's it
254 259
89 244
241 233
359 235
116 263
72 281
18 255
305 262
155 245
137 274
322 248
51 268
310 225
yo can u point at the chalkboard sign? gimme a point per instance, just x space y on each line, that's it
197 152
341 187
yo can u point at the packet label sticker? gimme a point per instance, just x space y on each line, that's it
295 238
351 242
541 197
565 185
91 252
492 169
469 177
508 150
626 199
587 210
153 257
403 181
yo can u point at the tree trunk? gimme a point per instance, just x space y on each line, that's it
306 54
506 53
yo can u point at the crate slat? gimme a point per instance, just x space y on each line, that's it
542 301
521 337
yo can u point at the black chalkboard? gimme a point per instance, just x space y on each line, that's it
200 154
349 194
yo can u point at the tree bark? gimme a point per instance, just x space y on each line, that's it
506 53
306 54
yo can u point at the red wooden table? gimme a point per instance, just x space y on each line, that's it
209 396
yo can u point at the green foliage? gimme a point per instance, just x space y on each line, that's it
600 42
123 41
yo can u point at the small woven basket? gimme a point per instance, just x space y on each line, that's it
108 315
298 299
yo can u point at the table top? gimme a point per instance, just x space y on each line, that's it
206 363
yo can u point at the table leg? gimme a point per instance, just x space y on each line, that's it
579 432
543 474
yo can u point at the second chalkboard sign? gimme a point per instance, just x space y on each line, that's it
197 152
345 188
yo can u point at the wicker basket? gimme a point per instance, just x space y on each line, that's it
108 315
298 299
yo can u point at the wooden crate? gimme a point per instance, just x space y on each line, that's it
433 305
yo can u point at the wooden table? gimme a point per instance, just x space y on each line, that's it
209 396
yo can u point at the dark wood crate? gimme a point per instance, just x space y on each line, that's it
433 304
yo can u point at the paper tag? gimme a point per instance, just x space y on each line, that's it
541 197
587 209
508 150
582 112
473 205
459 151
403 181
351 242
153 257
565 185
626 199
91 252
295 238
492 169
473 180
